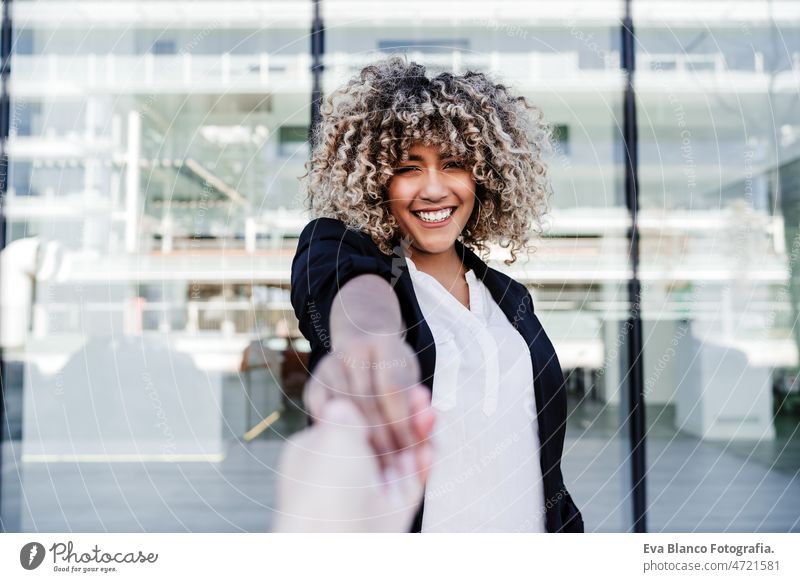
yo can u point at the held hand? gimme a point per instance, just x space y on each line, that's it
329 479
380 375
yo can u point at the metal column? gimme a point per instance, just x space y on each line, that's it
635 375
5 121
317 68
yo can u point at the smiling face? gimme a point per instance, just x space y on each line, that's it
432 198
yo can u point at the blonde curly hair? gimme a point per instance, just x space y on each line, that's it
369 125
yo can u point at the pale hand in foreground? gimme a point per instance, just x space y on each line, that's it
330 479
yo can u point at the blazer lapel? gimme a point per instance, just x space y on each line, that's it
417 329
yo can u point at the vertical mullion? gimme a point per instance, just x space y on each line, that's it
635 401
5 120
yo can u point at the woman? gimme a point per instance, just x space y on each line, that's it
409 175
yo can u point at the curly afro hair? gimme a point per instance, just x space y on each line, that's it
369 125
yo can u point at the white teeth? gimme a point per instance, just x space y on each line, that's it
437 216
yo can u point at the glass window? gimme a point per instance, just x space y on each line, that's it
717 158
293 141
154 208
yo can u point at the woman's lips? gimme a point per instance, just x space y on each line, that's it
436 224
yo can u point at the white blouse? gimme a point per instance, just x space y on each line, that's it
486 475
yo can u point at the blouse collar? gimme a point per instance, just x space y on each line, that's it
477 308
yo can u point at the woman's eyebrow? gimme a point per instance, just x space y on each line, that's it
416 158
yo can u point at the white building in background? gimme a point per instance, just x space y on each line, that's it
156 147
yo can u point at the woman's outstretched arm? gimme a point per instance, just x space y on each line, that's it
372 365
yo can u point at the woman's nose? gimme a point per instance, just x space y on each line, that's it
432 188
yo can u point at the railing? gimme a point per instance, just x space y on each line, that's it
694 63
277 72
767 317
162 71
234 317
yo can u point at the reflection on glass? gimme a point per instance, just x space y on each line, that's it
153 209
719 218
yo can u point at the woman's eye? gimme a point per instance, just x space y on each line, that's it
404 169
453 165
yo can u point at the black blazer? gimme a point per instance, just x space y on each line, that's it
328 255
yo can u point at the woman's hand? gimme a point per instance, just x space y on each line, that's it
380 375
330 481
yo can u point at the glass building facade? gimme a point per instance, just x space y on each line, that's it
152 364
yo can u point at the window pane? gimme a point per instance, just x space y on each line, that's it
569 69
153 209
718 118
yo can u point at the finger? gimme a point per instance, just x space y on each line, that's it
422 413
363 394
315 395
410 487
424 419
328 381
424 457
393 385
